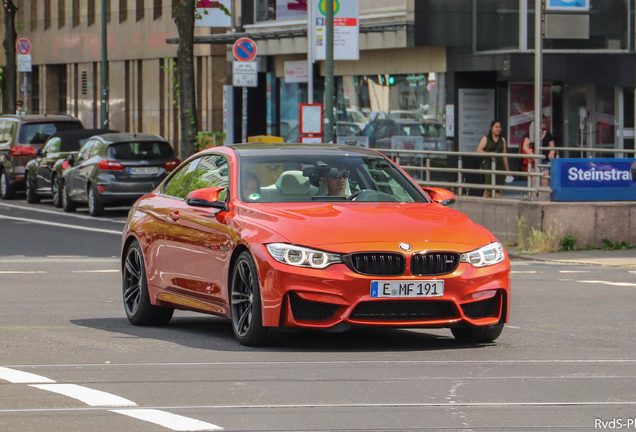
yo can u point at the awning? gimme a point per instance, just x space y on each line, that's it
230 38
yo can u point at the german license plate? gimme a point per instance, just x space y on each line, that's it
414 288
144 171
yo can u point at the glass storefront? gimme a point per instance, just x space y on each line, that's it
272 10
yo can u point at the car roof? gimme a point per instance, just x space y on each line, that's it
114 138
79 134
262 149
41 118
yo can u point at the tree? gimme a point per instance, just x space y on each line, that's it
185 16
10 72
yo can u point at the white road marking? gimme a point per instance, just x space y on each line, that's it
632 272
19 377
620 284
574 271
524 272
46 260
21 272
66 256
76 227
59 213
512 327
168 420
95 271
88 396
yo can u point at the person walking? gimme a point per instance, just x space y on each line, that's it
547 142
494 143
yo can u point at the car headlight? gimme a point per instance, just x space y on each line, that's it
301 256
488 255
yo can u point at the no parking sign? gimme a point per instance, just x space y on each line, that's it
245 50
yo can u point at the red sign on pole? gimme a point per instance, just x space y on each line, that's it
23 46
245 49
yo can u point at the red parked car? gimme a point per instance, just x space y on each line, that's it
310 236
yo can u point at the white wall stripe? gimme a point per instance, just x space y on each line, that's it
75 227
88 396
19 377
168 420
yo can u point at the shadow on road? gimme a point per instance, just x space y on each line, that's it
216 334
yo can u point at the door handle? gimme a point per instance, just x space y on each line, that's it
174 215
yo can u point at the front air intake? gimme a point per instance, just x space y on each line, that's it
376 263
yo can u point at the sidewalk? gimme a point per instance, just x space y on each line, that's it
619 258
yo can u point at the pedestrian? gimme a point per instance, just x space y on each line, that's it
494 143
547 141
527 147
20 108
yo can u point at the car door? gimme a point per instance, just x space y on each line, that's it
200 240
77 175
50 154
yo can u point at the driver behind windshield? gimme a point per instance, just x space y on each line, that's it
337 186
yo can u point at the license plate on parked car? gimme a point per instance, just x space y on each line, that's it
417 288
144 171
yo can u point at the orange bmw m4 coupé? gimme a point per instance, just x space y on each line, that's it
314 237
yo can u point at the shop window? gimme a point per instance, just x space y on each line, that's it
139 10
34 15
76 13
123 10
61 13
90 18
157 9
271 10
47 14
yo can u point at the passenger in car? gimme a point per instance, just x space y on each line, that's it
250 186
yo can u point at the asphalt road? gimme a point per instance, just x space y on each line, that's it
70 361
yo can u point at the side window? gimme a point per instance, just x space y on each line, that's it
83 153
53 146
3 124
98 149
9 131
178 184
213 171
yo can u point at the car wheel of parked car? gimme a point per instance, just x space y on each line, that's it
247 315
6 190
95 208
136 298
67 205
31 195
474 334
55 191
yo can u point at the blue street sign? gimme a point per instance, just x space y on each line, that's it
592 180
568 5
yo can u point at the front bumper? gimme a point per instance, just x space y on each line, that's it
321 299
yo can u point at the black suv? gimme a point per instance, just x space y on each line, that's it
20 138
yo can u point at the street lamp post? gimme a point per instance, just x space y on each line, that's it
329 79
104 104
538 79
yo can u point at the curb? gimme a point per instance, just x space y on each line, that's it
563 261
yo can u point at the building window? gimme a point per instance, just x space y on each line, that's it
47 14
62 84
140 10
84 83
123 10
90 18
34 14
271 10
156 9
76 13
61 13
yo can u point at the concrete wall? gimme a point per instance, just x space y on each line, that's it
588 222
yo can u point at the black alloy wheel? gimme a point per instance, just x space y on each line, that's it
6 190
95 208
31 194
473 334
136 298
55 192
67 205
247 315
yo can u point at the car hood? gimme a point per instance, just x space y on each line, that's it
333 226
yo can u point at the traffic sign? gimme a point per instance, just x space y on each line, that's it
245 50
245 74
23 46
24 63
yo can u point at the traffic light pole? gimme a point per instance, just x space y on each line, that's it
104 103
329 79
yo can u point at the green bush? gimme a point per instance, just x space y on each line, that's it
610 245
590 247
568 243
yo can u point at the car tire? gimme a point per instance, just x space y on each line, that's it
56 192
245 298
7 191
31 194
136 298
95 208
477 334
67 205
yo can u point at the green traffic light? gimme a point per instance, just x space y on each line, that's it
391 80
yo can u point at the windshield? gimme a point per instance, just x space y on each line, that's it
140 150
38 133
316 177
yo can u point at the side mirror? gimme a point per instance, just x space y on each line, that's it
208 197
71 160
39 153
440 196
